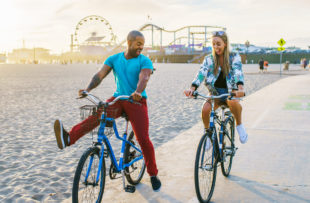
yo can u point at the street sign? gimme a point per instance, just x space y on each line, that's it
281 42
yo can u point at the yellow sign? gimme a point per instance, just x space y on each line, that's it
281 48
281 42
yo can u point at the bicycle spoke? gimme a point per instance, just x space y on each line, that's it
85 189
134 173
228 148
205 171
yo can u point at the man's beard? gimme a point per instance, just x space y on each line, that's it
133 52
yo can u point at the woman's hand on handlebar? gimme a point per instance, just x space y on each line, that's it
239 93
189 92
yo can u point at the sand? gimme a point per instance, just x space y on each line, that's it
32 168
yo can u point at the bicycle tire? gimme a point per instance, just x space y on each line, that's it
210 168
228 149
135 172
80 189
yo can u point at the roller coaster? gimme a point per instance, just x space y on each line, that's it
191 34
187 36
97 31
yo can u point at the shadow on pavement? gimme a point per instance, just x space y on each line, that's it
264 190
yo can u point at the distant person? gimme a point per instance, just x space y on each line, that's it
221 71
132 71
266 64
261 65
286 65
305 63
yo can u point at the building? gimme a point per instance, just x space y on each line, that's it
27 56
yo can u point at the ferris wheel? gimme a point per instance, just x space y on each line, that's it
94 30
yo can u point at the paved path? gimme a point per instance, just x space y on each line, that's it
272 167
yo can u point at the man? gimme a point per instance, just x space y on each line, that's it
132 71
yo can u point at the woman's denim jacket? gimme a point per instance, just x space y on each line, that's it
206 72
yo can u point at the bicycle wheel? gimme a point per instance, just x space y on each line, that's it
88 190
133 173
205 169
228 146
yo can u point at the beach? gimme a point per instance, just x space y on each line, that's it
32 168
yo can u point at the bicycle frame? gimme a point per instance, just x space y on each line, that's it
102 138
217 144
218 140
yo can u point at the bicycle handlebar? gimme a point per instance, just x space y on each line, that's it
196 94
98 102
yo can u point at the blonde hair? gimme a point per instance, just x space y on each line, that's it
216 60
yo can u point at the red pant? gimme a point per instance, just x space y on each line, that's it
139 120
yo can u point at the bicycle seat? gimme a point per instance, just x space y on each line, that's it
223 105
125 116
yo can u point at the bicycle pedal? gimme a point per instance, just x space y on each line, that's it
130 188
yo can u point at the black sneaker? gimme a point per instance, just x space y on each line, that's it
61 135
156 184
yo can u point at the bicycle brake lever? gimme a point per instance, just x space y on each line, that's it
80 97
130 99
232 94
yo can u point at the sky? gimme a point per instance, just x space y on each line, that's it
49 23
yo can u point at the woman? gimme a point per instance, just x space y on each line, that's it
222 71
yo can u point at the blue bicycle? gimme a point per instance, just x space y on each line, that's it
216 146
90 174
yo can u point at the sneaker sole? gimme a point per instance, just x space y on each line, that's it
158 190
58 134
245 141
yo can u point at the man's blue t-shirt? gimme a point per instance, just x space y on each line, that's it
126 72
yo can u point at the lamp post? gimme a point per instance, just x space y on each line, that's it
247 44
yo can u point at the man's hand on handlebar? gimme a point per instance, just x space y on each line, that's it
136 96
81 94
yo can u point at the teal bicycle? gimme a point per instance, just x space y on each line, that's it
90 174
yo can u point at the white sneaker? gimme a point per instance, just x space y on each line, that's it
243 136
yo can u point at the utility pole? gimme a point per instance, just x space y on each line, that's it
247 45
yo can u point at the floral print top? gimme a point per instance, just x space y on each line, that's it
206 72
